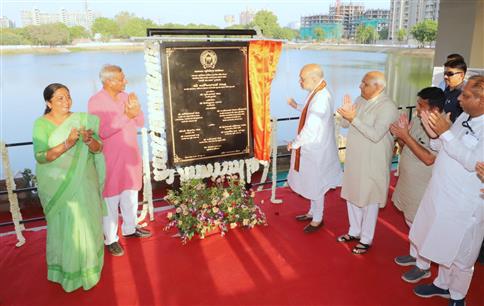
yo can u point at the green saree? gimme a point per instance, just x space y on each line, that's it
70 192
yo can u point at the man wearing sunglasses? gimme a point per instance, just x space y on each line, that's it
454 73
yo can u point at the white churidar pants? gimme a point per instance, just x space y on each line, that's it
457 278
422 263
316 210
128 202
362 221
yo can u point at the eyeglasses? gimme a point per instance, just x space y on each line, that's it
465 124
450 73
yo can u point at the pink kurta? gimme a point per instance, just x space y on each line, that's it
119 136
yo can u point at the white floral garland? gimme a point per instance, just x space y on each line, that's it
12 197
244 168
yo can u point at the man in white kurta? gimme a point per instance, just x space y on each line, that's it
318 168
369 152
449 226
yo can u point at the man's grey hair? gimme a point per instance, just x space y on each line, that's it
377 78
108 72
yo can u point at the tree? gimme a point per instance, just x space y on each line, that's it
106 27
52 34
425 32
78 32
13 37
383 33
401 35
366 34
136 27
319 33
267 22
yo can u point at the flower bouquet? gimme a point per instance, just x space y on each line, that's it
200 209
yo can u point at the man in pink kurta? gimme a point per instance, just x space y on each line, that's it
120 116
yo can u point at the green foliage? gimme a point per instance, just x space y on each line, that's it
267 22
288 33
200 209
78 32
425 31
52 34
366 34
108 28
319 33
135 27
401 35
13 37
383 33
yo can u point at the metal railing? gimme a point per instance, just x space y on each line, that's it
20 190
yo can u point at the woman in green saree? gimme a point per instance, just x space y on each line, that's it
70 175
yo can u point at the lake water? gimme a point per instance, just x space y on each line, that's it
24 77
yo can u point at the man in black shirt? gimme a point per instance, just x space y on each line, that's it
454 73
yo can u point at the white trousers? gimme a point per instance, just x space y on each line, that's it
128 202
362 221
317 210
457 278
422 263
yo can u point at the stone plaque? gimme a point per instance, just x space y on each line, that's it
205 89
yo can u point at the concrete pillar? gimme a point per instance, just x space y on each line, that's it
461 30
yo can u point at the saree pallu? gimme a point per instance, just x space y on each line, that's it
70 192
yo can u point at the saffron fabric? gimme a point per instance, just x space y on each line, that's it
119 135
302 121
263 58
70 193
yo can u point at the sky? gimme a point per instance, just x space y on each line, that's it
184 11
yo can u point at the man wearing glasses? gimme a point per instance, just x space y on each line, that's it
449 226
454 73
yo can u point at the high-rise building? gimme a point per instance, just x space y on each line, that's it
246 17
349 12
6 23
79 18
404 14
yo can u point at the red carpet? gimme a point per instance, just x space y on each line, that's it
273 265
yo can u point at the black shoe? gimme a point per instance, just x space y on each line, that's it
139 233
304 218
430 290
457 302
310 228
115 249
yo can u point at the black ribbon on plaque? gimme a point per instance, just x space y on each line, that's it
207 110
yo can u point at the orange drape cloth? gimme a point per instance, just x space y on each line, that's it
302 121
263 58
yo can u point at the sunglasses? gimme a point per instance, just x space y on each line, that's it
450 73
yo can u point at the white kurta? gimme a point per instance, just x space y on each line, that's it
369 152
452 206
319 168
